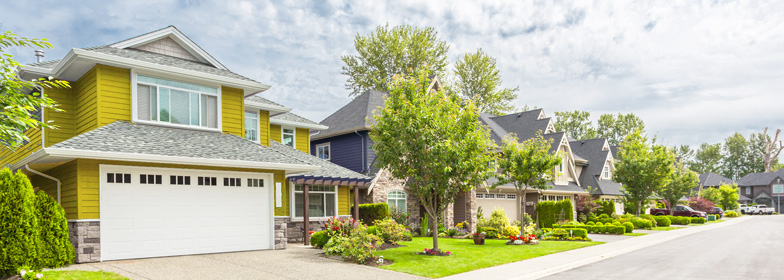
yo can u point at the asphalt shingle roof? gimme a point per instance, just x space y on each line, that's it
760 179
262 100
328 169
357 114
713 180
288 116
591 150
124 137
525 124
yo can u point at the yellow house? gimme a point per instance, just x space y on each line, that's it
161 150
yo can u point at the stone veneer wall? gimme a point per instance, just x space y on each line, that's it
384 184
86 238
281 233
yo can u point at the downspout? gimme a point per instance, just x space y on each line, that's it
363 151
27 166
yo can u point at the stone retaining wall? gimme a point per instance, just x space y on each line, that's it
86 238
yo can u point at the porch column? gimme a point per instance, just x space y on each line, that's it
356 203
306 214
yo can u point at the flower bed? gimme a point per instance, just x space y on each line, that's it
431 252
522 240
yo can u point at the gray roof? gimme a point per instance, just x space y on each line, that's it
591 150
614 150
713 180
743 198
328 169
258 99
760 179
569 187
525 124
124 137
356 115
154 58
289 116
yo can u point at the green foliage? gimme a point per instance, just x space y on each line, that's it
729 196
478 79
401 217
18 224
575 123
55 249
678 220
334 247
360 246
549 212
498 220
490 232
390 231
374 230
629 227
643 168
424 226
320 238
680 183
607 207
387 52
662 221
707 159
731 214
739 157
697 220
711 194
510 230
434 140
372 212
17 105
616 129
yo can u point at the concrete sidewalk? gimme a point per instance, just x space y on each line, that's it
551 264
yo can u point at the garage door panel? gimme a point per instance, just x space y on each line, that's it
151 220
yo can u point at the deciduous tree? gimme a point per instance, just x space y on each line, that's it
616 128
575 123
526 165
707 159
681 182
643 168
729 196
478 79
711 194
433 142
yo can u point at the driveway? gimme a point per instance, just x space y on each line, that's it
296 262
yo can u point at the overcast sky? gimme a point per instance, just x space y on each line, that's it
695 71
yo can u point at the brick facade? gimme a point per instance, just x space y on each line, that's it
86 238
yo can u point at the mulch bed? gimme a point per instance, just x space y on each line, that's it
512 243
12 277
440 254
387 246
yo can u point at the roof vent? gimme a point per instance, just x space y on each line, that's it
40 55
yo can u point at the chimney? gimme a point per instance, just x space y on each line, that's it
40 55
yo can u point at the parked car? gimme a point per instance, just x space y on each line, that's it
717 211
762 209
680 210
744 209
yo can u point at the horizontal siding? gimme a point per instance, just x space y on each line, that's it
8 156
86 105
67 174
264 128
285 194
64 119
275 133
233 102
303 139
114 94
345 150
345 200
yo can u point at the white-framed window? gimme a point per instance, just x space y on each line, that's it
252 126
490 195
778 188
511 196
553 197
322 201
397 200
560 166
172 102
748 190
606 172
323 151
288 137
480 195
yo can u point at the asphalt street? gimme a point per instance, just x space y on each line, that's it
753 249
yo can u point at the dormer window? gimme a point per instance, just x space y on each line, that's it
606 172
178 103
288 137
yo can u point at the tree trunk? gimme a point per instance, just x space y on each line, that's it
639 207
522 211
434 221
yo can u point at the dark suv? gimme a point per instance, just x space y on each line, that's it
717 211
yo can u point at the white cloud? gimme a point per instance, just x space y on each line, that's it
695 71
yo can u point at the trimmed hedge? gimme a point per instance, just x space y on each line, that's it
18 224
55 249
662 221
547 211
320 238
371 212
580 232
697 220
607 207
598 228
629 227
676 220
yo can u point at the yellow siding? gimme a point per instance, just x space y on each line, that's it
67 174
8 156
233 106
285 195
345 200
303 139
86 102
275 133
264 128
64 120
114 94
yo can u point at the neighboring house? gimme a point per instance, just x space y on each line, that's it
152 155
526 125
597 171
711 180
763 188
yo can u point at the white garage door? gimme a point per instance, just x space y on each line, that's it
154 212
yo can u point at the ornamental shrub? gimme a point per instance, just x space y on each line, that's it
334 247
499 220
18 224
319 239
697 220
590 223
649 217
490 232
662 221
511 230
580 232
55 249
390 231
607 207
731 214
371 212
545 210
374 230
629 227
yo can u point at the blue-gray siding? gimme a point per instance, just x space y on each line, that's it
346 150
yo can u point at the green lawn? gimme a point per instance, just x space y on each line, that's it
82 275
466 256
635 234
666 228
717 221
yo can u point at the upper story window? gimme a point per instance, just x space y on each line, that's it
778 188
748 190
288 137
322 151
166 101
606 172
252 126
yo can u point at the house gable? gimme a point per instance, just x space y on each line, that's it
167 46
170 41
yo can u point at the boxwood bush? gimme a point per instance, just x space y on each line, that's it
662 221
319 239
676 220
697 220
629 227
371 212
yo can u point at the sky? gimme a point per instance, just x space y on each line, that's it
694 71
